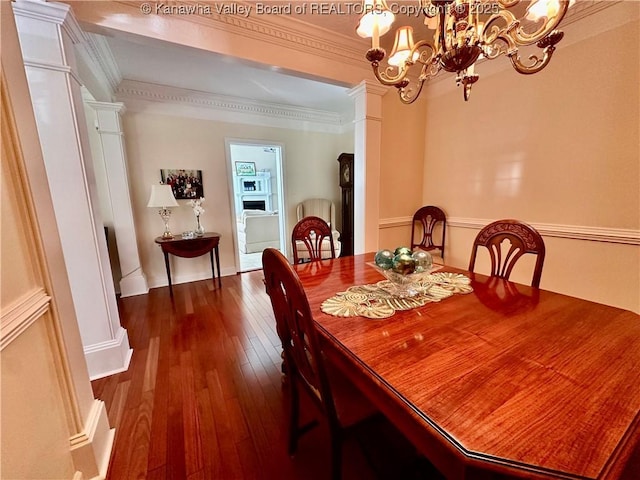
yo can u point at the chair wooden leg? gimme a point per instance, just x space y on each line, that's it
293 419
283 369
336 456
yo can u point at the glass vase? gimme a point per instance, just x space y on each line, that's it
199 228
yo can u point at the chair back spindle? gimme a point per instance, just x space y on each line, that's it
521 238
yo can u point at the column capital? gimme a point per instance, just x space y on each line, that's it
40 10
368 100
368 87
115 107
50 12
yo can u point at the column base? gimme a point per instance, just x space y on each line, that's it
108 358
134 284
91 449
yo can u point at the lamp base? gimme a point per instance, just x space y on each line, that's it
165 214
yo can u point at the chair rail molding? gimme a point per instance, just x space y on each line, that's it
573 232
17 317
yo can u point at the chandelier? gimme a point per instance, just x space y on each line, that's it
463 32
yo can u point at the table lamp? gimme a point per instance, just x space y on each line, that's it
162 198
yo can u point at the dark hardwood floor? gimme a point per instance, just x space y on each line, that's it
203 396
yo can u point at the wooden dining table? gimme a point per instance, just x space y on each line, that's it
507 381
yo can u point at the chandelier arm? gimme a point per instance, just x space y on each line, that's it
514 31
405 94
385 75
421 47
385 78
538 63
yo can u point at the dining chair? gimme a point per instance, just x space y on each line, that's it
311 235
326 210
341 404
523 239
428 217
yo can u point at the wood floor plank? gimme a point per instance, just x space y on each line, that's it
151 366
117 404
230 465
119 465
141 434
176 467
190 417
210 446
159 421
157 474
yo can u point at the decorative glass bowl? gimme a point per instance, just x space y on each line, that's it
403 286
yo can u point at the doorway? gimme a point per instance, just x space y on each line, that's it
257 200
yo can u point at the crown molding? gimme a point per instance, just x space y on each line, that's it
101 61
585 8
148 97
279 30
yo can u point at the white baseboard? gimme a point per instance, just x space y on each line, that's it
110 357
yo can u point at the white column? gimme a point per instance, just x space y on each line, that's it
114 157
367 151
47 32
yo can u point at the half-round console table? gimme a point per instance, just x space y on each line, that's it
190 248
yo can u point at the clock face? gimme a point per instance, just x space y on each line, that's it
346 174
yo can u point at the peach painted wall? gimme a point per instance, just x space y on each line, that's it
162 141
401 166
560 148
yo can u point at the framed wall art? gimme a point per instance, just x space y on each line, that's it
186 184
245 169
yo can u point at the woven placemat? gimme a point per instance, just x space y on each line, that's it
377 301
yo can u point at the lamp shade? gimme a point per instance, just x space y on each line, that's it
377 17
162 197
402 47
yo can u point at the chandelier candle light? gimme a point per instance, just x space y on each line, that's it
461 32
198 210
162 198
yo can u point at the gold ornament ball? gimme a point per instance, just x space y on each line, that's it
404 264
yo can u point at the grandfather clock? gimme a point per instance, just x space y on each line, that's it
346 184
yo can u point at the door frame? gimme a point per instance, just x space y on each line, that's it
281 186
